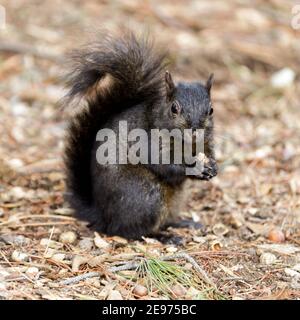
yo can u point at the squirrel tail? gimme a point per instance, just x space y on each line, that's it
110 76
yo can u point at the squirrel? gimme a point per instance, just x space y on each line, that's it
125 78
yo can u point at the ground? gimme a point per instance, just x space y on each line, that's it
249 247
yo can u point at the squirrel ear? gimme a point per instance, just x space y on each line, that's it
170 86
209 82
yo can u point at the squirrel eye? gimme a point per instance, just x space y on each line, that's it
211 111
175 108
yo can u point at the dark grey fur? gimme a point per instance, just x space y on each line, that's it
128 200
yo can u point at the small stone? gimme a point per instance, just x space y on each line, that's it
253 211
267 258
68 237
296 267
100 243
32 272
171 249
59 257
219 229
15 163
236 220
178 290
45 242
283 78
200 240
140 290
1 213
49 253
17 240
19 256
86 244
292 273
17 193
114 295
195 216
63 271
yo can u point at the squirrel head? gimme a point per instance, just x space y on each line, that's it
188 104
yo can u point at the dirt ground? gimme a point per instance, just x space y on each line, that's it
250 245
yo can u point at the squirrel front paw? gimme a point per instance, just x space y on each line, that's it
210 170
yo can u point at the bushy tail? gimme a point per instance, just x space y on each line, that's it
110 75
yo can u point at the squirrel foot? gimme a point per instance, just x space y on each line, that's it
167 238
184 223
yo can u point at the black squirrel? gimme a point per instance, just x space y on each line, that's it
124 78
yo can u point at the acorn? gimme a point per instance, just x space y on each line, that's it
276 235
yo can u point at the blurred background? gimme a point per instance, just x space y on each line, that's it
252 47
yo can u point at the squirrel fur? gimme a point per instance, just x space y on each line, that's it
124 78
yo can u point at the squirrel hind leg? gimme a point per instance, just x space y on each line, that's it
131 208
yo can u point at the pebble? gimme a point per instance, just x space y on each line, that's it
267 258
236 220
114 295
17 193
15 163
17 240
45 242
32 271
100 243
178 290
283 78
140 290
171 249
200 240
253 211
49 253
59 257
68 237
86 244
19 256
292 273
297 267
